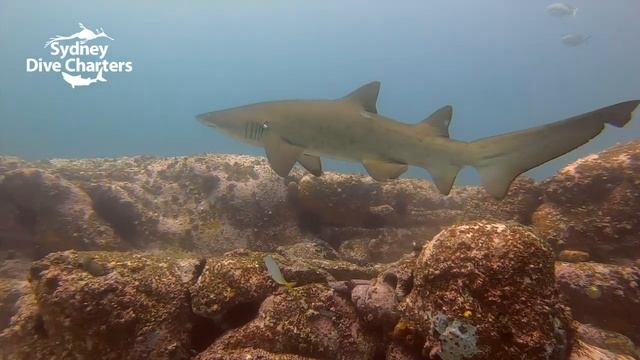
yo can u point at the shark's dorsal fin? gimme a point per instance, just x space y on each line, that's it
437 124
366 96
381 171
311 163
281 155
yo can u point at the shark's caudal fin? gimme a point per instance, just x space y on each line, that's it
501 158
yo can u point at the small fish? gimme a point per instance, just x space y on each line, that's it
560 9
91 266
327 313
274 271
593 292
574 39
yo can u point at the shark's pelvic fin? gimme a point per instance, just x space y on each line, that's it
366 96
437 124
311 163
501 158
382 171
281 154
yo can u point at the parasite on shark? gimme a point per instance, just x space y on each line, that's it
350 128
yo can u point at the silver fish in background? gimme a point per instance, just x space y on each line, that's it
561 9
572 40
351 129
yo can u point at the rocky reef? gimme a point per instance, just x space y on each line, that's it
162 258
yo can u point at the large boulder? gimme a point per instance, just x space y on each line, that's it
608 340
485 291
308 321
239 280
593 204
13 286
105 305
475 203
44 213
208 204
585 351
604 295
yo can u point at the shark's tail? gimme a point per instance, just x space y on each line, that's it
501 158
100 77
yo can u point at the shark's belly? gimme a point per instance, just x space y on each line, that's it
349 144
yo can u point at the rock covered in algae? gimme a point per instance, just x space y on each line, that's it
211 204
377 303
593 204
240 278
604 295
607 340
523 198
13 286
584 351
573 256
309 321
136 307
251 354
486 291
49 213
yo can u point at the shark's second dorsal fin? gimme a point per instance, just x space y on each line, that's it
437 124
366 96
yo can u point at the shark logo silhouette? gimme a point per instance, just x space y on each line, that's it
83 36
78 80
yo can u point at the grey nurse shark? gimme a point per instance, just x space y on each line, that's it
350 128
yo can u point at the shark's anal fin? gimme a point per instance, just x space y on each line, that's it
281 155
443 175
366 96
437 124
311 163
382 171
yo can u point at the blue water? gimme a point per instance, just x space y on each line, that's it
499 63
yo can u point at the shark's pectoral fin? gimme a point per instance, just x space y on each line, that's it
281 155
382 171
311 163
443 175
366 96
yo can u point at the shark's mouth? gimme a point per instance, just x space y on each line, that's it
202 118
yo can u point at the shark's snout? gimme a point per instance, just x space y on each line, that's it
207 119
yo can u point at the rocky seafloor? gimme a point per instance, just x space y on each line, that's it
162 258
